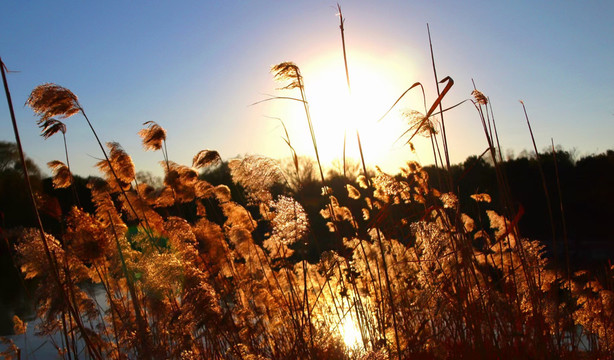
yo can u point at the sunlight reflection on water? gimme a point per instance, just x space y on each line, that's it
44 347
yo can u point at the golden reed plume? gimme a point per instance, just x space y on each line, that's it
62 178
49 100
153 136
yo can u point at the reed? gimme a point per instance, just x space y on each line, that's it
193 270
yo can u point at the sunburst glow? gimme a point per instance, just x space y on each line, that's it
339 112
350 333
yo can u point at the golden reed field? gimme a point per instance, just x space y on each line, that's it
199 269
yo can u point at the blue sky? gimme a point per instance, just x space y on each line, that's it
196 66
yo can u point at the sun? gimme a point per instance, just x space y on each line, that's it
339 113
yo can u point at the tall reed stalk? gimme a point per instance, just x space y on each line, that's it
93 352
379 238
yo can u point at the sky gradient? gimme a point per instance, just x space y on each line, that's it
195 67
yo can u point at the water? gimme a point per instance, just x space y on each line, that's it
33 346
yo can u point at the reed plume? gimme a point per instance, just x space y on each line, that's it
49 100
62 178
153 136
287 71
206 158
418 123
257 174
50 127
119 166
480 98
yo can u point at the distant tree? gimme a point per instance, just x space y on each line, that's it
15 207
590 201
66 197
10 163
353 169
148 178
307 171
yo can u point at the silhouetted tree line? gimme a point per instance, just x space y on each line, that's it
586 192
15 212
585 184
586 195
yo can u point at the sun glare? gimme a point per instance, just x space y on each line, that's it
336 113
350 333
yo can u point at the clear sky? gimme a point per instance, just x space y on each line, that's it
196 66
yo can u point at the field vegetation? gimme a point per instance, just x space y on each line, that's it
227 259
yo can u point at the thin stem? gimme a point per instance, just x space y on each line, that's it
72 178
384 264
347 77
443 125
309 122
544 184
147 229
345 60
141 323
56 276
564 223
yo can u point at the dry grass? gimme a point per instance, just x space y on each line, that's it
184 276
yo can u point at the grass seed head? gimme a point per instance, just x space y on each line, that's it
19 327
417 122
122 165
62 178
153 136
481 197
49 100
479 97
50 127
206 158
287 71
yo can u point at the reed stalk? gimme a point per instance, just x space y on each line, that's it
55 273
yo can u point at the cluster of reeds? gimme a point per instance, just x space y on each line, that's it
185 271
